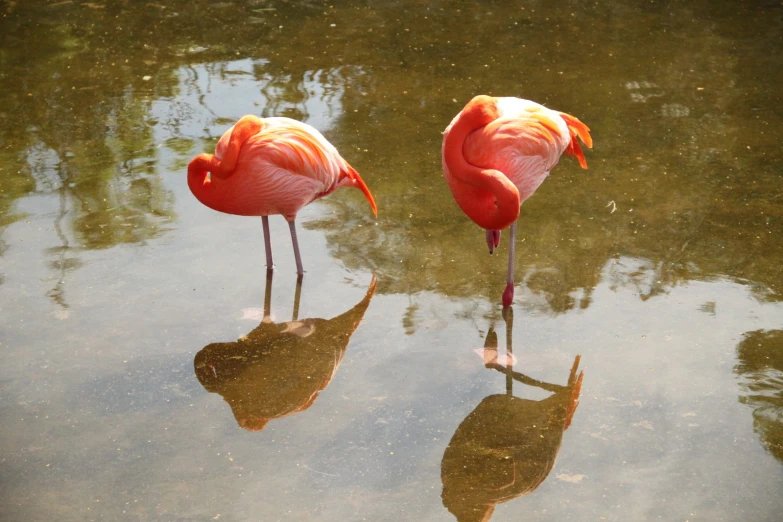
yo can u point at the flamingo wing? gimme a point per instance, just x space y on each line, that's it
289 164
299 149
280 169
270 166
524 146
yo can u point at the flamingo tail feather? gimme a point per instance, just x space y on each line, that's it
577 129
358 182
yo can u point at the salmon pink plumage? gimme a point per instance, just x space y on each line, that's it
263 167
497 152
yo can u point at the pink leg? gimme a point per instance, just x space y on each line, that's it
508 293
267 244
298 258
268 297
508 316
297 297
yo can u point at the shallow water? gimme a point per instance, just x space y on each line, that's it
659 266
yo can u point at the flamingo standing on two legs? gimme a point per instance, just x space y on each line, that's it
496 153
271 166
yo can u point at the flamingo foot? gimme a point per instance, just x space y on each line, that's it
508 295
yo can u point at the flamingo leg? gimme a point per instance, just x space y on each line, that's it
267 244
268 297
508 371
508 316
508 293
299 269
297 296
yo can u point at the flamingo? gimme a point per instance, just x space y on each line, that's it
497 152
263 167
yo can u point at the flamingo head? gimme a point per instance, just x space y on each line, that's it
493 239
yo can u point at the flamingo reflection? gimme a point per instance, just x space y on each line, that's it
278 369
507 446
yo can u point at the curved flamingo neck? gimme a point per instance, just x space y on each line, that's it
487 196
204 166
199 180
247 127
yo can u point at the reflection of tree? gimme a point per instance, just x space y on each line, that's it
279 368
507 446
288 96
76 115
61 262
691 200
667 171
760 369
672 121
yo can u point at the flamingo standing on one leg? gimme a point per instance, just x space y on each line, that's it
496 153
271 166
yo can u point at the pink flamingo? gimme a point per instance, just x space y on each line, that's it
271 166
497 152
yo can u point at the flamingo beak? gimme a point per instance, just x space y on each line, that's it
493 239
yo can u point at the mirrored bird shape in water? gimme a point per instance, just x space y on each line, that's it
506 447
278 369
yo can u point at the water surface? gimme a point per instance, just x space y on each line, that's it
140 371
